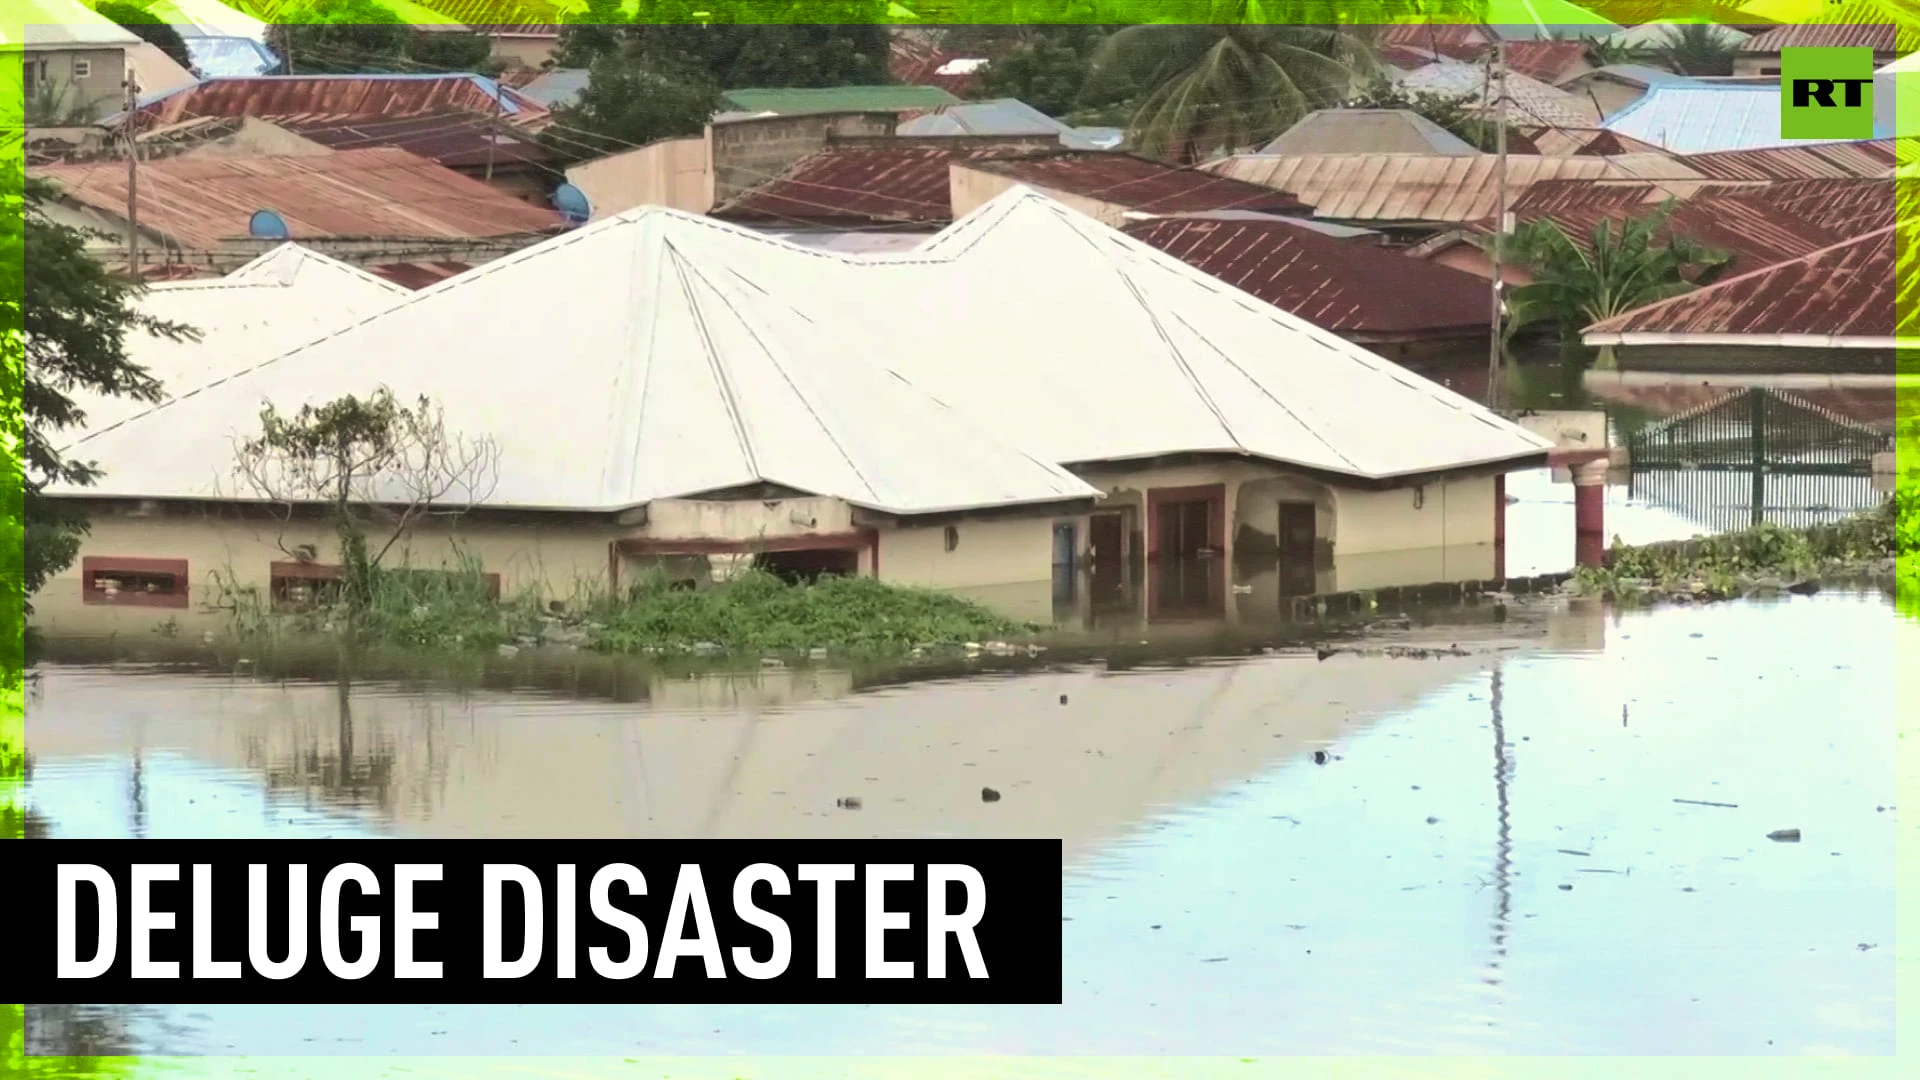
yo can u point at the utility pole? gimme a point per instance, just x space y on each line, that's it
1499 113
130 130
493 132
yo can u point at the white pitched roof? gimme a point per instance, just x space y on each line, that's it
656 355
631 360
1135 354
284 298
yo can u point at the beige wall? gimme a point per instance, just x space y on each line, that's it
526 52
1436 515
744 519
671 172
996 552
100 89
559 562
748 153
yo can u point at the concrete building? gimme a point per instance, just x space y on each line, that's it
73 61
1028 390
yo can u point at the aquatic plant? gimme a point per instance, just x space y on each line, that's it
1765 557
758 612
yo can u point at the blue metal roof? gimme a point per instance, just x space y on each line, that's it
229 56
560 86
1703 118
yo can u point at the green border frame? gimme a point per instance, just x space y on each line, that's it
13 749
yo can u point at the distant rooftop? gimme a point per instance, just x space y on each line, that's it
999 116
1701 118
892 98
1137 183
1368 131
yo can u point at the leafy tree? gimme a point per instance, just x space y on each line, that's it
74 318
592 33
1456 113
148 27
1223 88
1623 265
1047 71
1697 49
333 36
451 50
371 461
812 44
630 101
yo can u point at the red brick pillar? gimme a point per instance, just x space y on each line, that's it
1500 527
1589 512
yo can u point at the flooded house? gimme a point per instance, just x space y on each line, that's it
662 393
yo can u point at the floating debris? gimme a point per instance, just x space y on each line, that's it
1785 836
850 802
1703 802
1319 757
987 794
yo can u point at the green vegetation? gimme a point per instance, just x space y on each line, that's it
76 318
1697 49
1622 266
1767 559
319 37
148 27
753 614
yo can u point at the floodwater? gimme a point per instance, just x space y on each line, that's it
1509 852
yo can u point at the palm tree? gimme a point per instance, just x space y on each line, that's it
1698 49
1199 89
1621 267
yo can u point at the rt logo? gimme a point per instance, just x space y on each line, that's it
1826 93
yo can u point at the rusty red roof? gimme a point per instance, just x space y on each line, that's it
455 139
1843 291
1755 232
1549 61
1875 158
1349 286
1461 41
335 96
419 275
1544 196
885 181
1139 183
199 203
1859 24
1843 207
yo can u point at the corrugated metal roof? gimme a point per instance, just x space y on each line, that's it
283 299
1368 131
1550 62
682 356
1460 40
1798 162
1585 142
453 138
1137 183
1754 232
1347 286
1546 196
1843 207
889 181
1844 291
559 86
1704 118
1000 116
384 193
1637 75
229 57
1529 101
335 96
837 99
1873 24
1407 188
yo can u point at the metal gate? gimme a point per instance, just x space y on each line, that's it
1757 455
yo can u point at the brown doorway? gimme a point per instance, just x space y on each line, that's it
1299 535
1186 522
1106 538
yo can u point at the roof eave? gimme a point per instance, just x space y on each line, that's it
1643 338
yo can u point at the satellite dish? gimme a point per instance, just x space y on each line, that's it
267 225
573 204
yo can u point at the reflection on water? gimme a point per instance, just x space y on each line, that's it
1225 893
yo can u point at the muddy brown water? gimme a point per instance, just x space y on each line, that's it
1505 852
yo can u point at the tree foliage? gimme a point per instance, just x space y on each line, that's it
791 44
1047 70
369 461
75 319
147 27
1697 49
1205 89
629 101
1459 114
351 36
1623 265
